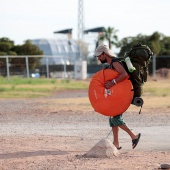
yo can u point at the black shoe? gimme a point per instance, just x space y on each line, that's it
135 141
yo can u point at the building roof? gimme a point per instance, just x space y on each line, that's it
57 49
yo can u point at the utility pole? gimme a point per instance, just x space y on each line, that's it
80 67
80 20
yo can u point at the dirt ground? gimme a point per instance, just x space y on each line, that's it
54 133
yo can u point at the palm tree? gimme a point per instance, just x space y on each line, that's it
110 36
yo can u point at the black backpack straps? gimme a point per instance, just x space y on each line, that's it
114 60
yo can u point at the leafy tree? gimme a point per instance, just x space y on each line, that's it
8 48
5 49
110 36
165 46
5 45
156 42
27 49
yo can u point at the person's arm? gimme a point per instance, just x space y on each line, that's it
122 75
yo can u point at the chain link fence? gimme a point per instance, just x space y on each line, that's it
60 67
36 66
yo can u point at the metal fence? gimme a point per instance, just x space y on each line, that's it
59 67
36 66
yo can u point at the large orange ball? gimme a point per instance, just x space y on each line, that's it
116 100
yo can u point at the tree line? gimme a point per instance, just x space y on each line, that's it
158 43
8 48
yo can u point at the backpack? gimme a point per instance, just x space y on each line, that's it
139 56
135 62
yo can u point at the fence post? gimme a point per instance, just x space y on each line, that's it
65 69
154 67
47 67
7 67
27 67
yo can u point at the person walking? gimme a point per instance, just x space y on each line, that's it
105 55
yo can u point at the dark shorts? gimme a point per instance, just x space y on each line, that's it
116 121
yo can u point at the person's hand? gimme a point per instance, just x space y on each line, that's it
108 84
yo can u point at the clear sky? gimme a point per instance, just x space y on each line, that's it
31 19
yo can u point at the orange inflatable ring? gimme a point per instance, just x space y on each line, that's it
110 102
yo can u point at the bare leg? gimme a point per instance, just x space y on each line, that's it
126 129
115 130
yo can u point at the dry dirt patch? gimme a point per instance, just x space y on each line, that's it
54 133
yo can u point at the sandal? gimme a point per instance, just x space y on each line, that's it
135 141
119 148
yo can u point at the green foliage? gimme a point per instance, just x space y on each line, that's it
158 43
165 46
110 36
2 53
28 49
53 81
7 47
4 46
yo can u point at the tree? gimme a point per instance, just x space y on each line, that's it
156 42
165 46
5 45
8 48
5 49
110 36
27 49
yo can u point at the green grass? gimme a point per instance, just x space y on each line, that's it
18 81
158 91
160 88
31 88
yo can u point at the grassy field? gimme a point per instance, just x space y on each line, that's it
161 87
156 93
156 96
32 88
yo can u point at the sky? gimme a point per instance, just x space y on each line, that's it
33 19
